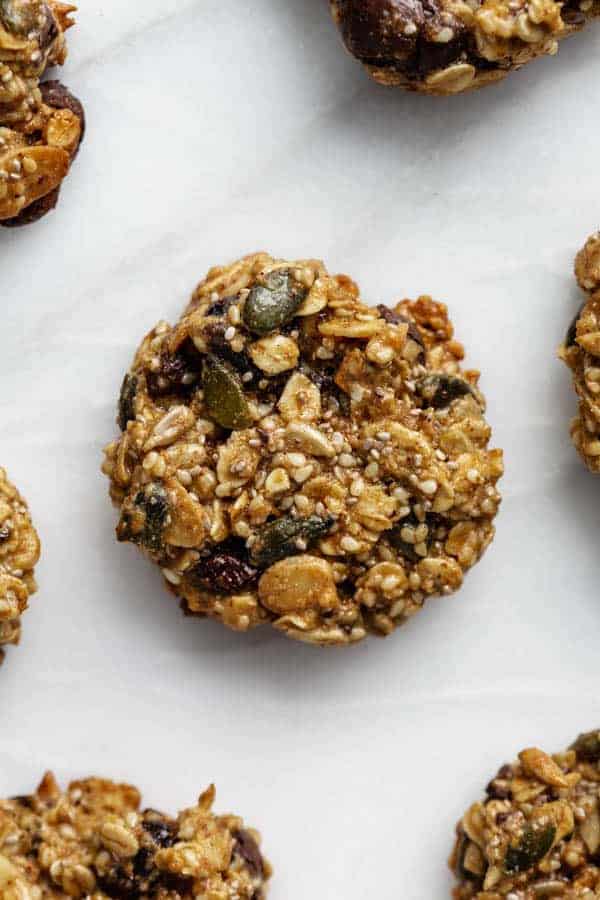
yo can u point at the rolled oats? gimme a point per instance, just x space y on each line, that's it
537 833
93 841
41 123
19 552
330 497
450 46
581 352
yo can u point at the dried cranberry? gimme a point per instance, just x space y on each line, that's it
222 572
246 847
174 367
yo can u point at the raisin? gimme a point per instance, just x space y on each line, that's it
222 572
246 847
440 390
162 833
176 371
220 307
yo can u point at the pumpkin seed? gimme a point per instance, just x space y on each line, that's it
278 539
587 746
273 302
438 391
144 523
532 847
127 401
224 395
19 18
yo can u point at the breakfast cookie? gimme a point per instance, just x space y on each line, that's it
293 456
93 842
537 833
41 124
19 552
581 352
449 46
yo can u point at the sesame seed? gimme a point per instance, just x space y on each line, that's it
473 476
247 376
229 333
429 487
349 544
383 436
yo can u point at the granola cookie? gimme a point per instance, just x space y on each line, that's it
290 455
450 46
581 352
41 124
93 841
19 552
537 833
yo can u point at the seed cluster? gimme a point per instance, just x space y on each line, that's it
19 552
290 455
41 124
93 841
449 46
537 833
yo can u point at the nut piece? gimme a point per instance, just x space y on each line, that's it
41 125
298 583
536 834
95 841
19 553
283 420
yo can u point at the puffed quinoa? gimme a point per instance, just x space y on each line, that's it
537 833
92 841
450 46
330 497
19 552
41 123
581 352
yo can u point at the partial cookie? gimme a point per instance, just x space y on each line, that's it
449 46
290 455
93 841
41 124
581 352
537 832
19 552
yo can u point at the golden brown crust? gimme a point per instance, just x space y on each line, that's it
93 841
19 552
581 353
326 471
537 833
39 136
450 46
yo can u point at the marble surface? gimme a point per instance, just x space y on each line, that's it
217 127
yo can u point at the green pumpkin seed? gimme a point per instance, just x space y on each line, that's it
273 302
144 523
127 401
439 390
279 539
17 17
532 847
224 395
587 746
